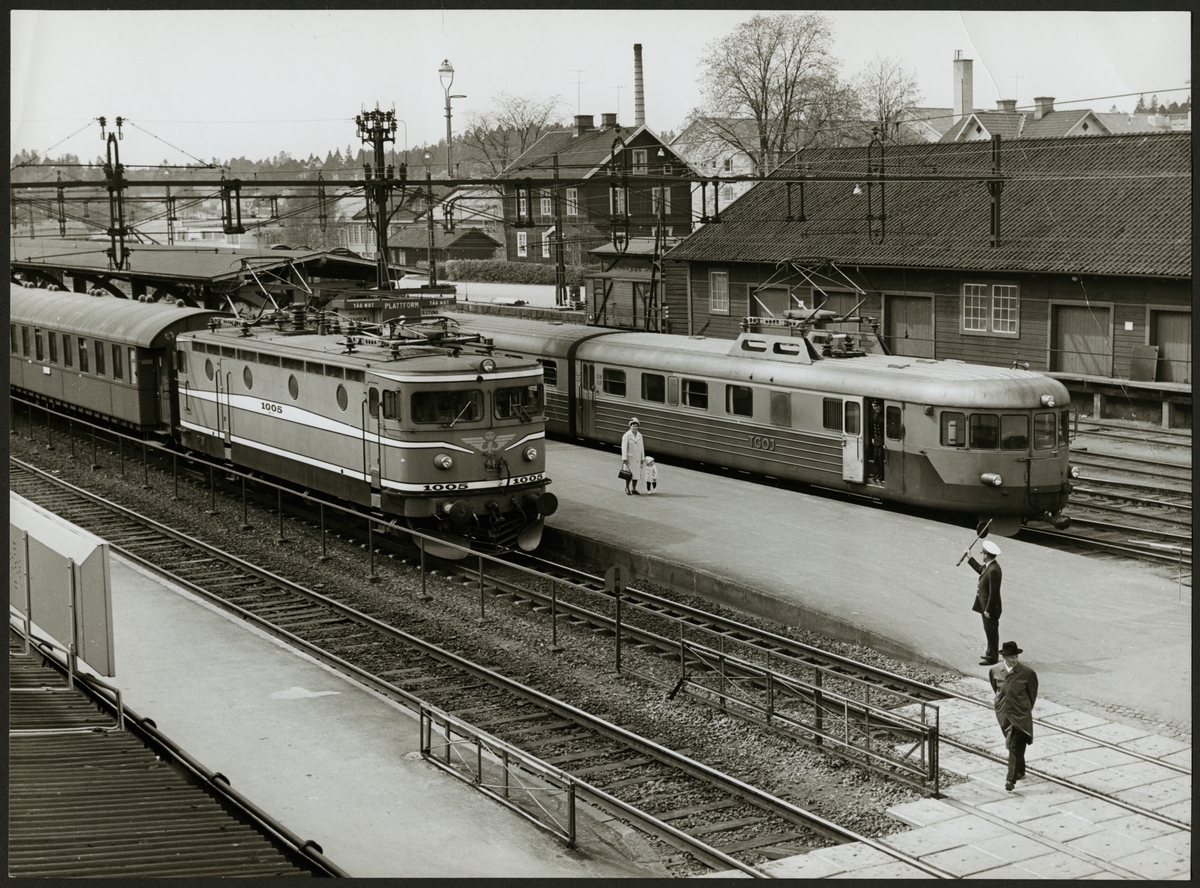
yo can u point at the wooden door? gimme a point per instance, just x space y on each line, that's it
908 325
1081 340
1171 331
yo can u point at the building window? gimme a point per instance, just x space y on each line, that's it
660 201
727 166
727 193
991 309
572 201
640 162
522 206
522 243
616 199
718 292
547 207
546 243
613 382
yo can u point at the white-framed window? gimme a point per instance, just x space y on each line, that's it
546 243
616 198
718 292
522 206
641 164
522 243
572 201
547 207
991 309
663 196
728 165
727 193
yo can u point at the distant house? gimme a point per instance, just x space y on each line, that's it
702 145
1043 122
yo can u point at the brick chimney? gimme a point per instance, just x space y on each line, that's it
1042 105
964 86
639 92
1006 104
584 123
608 120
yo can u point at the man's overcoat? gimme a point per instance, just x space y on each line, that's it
1016 692
987 593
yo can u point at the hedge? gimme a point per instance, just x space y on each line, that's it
497 271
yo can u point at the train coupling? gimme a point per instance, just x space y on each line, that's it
1059 521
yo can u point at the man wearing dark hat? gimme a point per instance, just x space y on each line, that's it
987 599
1016 687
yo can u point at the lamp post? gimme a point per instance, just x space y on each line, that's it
446 75
427 157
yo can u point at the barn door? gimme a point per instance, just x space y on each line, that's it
768 302
1081 340
1171 331
909 325
586 418
852 440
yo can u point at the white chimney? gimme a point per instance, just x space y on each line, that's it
964 86
639 93
1042 105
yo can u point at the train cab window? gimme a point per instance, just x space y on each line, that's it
247 377
1043 431
695 394
1064 428
518 401
1014 432
781 409
372 401
99 352
954 429
37 345
739 400
831 414
68 358
391 403
891 423
293 386
118 367
52 343
549 373
83 355
654 388
985 431
25 341
613 382
447 407
343 400
181 361
14 339
853 425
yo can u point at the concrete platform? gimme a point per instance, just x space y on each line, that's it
329 759
1104 637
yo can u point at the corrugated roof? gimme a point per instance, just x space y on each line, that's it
110 318
1116 205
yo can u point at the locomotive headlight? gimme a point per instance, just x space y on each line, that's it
443 461
1074 472
1047 400
530 454
991 478
488 365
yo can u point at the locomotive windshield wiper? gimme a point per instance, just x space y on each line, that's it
460 415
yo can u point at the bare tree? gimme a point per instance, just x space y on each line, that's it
771 87
888 95
499 135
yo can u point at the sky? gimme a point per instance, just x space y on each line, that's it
204 84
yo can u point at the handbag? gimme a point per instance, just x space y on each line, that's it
625 474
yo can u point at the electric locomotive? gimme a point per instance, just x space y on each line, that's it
987 441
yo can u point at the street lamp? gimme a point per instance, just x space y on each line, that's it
427 157
446 75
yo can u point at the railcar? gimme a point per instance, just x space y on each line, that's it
986 441
414 421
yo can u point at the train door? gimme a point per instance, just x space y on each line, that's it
224 423
586 419
893 442
853 456
1049 438
372 440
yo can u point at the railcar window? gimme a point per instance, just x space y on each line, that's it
549 373
272 360
25 341
83 358
247 377
781 409
118 369
695 394
391 404
67 357
739 400
293 386
1064 428
37 345
853 418
208 368
654 388
1043 431
181 361
355 375
132 354
52 342
331 370
613 382
343 400
243 355
522 401
985 431
447 406
318 369
291 364
672 391
99 352
831 414
227 352
1014 432
14 339
954 432
372 401
891 423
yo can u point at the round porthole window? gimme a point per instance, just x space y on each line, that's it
208 368
342 399
293 387
248 378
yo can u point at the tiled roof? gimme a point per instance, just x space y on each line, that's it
578 155
1056 123
1098 205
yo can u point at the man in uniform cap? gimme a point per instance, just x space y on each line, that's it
987 599
1016 687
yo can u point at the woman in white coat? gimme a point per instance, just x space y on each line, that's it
633 454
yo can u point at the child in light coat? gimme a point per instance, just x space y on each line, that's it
650 474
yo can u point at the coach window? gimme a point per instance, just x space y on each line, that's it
132 354
447 408
99 352
247 377
985 431
613 382
549 373
68 359
853 418
831 414
695 394
83 358
954 432
25 341
781 409
739 400
293 387
52 342
1014 432
891 423
37 345
118 366
13 339
654 388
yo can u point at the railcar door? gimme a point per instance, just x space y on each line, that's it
221 380
1050 436
586 398
371 434
852 440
